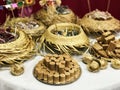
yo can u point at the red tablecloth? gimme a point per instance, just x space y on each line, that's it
80 7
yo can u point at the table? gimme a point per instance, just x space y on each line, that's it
107 79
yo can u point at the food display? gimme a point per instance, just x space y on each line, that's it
64 38
28 25
57 34
57 69
99 21
104 50
15 47
52 13
94 64
106 46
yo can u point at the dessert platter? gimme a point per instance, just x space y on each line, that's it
57 69
59 38
103 51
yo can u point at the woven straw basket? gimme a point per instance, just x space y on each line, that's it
49 17
64 44
19 50
35 32
92 25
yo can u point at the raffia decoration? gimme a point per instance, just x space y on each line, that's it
98 21
34 32
49 14
64 44
49 17
17 51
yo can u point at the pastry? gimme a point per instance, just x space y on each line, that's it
115 63
94 66
106 46
17 69
87 58
57 69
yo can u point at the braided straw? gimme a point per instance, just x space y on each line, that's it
92 25
34 32
64 44
17 51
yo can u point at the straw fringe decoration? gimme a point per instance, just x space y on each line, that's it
17 51
64 44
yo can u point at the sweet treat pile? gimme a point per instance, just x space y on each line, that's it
106 49
57 69
28 25
66 33
100 15
106 46
6 36
94 64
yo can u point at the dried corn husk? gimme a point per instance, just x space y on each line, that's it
17 51
64 44
34 32
94 25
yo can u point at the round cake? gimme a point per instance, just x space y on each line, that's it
57 70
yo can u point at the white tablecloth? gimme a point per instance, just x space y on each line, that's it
108 79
